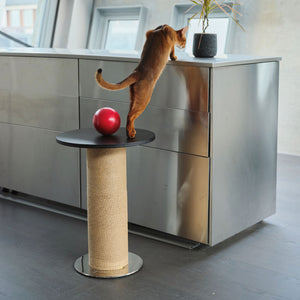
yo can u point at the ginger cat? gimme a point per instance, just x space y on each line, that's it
158 47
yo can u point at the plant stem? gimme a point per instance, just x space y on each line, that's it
205 23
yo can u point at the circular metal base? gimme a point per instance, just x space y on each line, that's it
81 265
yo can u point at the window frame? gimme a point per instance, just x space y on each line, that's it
100 22
180 19
44 27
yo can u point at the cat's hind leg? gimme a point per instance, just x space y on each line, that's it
131 117
139 99
134 112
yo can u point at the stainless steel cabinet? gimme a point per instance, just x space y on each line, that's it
209 174
39 99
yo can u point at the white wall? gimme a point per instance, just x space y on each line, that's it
272 28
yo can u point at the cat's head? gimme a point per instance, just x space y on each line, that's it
175 37
181 38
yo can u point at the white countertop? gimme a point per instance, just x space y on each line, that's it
134 56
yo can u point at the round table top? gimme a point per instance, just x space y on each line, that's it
91 138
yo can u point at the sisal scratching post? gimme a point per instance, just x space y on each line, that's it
108 255
107 209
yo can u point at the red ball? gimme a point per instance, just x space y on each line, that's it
106 120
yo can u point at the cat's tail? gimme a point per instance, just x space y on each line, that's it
132 78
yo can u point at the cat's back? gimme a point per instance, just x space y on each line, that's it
159 38
155 52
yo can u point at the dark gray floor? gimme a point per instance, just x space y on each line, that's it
38 248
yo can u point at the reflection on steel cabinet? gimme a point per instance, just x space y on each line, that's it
169 192
244 147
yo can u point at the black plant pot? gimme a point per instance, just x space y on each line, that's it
205 45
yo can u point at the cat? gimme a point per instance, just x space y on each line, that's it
159 46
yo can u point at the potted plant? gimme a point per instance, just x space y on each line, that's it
205 44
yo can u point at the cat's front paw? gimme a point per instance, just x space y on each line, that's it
173 58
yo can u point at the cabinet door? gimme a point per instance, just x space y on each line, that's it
39 92
168 191
179 86
33 163
175 129
38 100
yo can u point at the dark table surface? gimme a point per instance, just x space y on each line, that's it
91 138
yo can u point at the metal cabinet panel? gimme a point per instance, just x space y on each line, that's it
32 162
182 87
168 191
39 92
179 87
244 147
39 76
175 129
59 113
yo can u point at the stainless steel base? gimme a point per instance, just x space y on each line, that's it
135 263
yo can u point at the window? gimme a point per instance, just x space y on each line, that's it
117 29
17 20
219 23
121 34
27 21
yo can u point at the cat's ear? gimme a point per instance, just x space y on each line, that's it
184 30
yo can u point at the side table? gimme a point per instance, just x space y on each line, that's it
108 255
